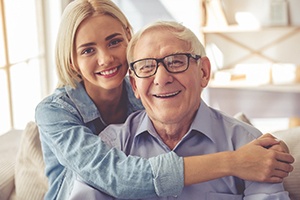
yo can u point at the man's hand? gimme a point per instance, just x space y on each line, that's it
264 160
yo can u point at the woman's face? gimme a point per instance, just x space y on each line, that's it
100 52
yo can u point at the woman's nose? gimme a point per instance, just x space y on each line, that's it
105 58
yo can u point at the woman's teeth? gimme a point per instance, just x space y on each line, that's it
105 73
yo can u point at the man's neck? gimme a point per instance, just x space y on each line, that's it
172 133
172 127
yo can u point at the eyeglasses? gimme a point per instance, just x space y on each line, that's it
174 63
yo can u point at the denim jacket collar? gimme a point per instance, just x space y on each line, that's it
83 102
88 109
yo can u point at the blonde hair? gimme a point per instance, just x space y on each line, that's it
73 15
178 30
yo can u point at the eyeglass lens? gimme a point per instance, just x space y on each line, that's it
173 63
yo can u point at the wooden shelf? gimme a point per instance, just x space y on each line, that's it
223 33
286 88
237 28
264 101
250 45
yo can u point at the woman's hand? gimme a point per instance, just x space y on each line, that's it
265 159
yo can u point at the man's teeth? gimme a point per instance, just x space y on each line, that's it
167 95
109 72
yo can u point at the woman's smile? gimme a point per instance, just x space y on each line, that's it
109 72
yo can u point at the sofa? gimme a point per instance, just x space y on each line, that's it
22 167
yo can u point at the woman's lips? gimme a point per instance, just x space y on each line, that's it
109 73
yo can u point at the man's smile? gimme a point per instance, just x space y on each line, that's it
167 95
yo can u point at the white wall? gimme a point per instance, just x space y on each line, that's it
142 12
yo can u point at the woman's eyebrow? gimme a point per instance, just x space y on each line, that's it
112 36
86 45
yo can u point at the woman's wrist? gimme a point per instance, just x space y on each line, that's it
203 168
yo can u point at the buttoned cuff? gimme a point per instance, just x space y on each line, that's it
168 174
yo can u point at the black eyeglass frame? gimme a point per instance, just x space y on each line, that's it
161 60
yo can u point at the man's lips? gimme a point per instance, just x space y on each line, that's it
167 95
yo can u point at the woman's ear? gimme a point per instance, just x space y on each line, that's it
128 34
206 70
133 84
75 69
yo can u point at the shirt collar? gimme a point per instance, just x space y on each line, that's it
202 123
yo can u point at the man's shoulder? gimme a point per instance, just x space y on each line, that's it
237 125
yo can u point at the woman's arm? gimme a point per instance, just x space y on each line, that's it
112 172
254 162
72 145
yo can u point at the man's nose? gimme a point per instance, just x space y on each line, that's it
162 76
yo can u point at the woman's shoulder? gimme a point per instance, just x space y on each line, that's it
66 95
67 103
57 94
52 102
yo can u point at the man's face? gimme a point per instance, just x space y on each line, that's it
169 98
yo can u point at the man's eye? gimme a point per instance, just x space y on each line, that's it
175 63
146 68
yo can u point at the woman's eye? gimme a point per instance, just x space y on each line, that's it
87 51
115 42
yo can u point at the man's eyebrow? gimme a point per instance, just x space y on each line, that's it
112 36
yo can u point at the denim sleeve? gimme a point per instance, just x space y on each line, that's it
164 168
104 168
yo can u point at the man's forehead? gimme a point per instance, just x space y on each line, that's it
156 44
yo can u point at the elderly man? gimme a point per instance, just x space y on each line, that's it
169 70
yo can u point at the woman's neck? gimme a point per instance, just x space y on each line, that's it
110 103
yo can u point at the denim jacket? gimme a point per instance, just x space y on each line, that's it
69 124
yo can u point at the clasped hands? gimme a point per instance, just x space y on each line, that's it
265 159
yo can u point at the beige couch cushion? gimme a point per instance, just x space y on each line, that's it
30 180
9 144
292 138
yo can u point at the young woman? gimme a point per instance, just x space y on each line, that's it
93 93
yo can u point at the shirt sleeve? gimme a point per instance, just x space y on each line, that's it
104 168
266 191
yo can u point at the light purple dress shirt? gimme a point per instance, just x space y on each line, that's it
211 131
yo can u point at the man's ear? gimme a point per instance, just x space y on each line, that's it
133 84
205 68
